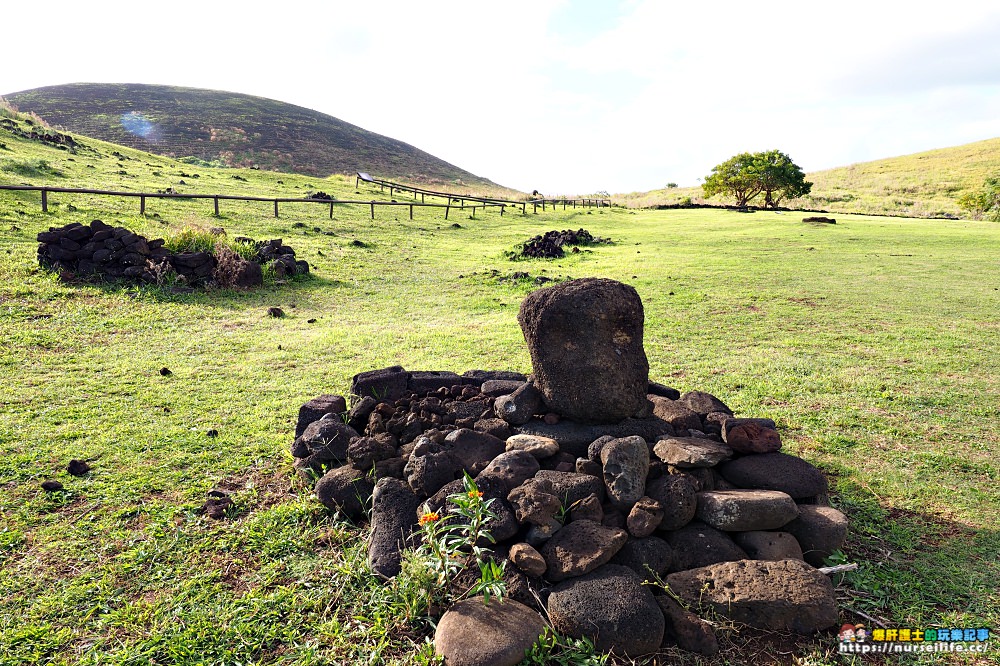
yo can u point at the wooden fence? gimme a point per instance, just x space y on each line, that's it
461 198
142 196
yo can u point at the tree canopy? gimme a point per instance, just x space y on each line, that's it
984 202
747 175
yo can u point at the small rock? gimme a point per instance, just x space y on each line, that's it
275 312
535 502
213 433
216 507
518 407
691 451
511 468
51 486
165 372
539 447
690 631
646 555
775 471
645 516
581 547
677 497
527 559
77 467
769 545
698 545
751 435
702 403
626 463
589 508
820 530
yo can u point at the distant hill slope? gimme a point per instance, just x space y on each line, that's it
232 129
926 184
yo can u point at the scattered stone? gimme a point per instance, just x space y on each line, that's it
474 633
165 372
579 548
775 471
788 594
745 510
819 530
654 388
77 467
498 387
691 451
217 505
539 447
212 433
518 407
51 486
275 312
611 607
347 490
566 364
527 559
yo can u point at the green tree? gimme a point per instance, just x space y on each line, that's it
984 202
737 177
747 175
780 178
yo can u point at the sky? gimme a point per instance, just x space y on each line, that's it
562 96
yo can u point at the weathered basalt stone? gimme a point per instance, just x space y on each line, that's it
565 362
625 464
677 497
745 510
769 545
788 594
394 508
775 471
345 489
611 607
475 633
820 530
691 451
579 548
751 435
698 545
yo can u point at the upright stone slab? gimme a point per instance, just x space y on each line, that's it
585 341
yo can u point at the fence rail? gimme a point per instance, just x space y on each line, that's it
234 197
543 202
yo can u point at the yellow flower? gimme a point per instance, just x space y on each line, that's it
429 517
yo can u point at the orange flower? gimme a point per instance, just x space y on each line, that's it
475 493
429 517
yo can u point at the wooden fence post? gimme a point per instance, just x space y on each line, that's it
373 210
411 209
45 201
331 210
216 199
447 207
142 205
276 208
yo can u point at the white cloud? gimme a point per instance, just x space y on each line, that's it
567 95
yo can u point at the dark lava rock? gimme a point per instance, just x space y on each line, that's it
51 486
511 468
535 502
691 451
498 387
612 608
248 274
518 407
575 438
387 384
663 391
646 515
690 632
364 452
579 548
527 559
788 594
394 508
638 554
429 468
702 403
275 312
698 545
472 449
571 487
675 413
585 341
345 489
474 633
317 408
677 497
165 372
775 471
217 505
326 440
357 418
496 427
77 467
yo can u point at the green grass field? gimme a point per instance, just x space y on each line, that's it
872 342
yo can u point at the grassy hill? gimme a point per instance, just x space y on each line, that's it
926 184
871 342
232 130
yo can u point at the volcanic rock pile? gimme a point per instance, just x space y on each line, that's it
101 251
599 480
550 245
